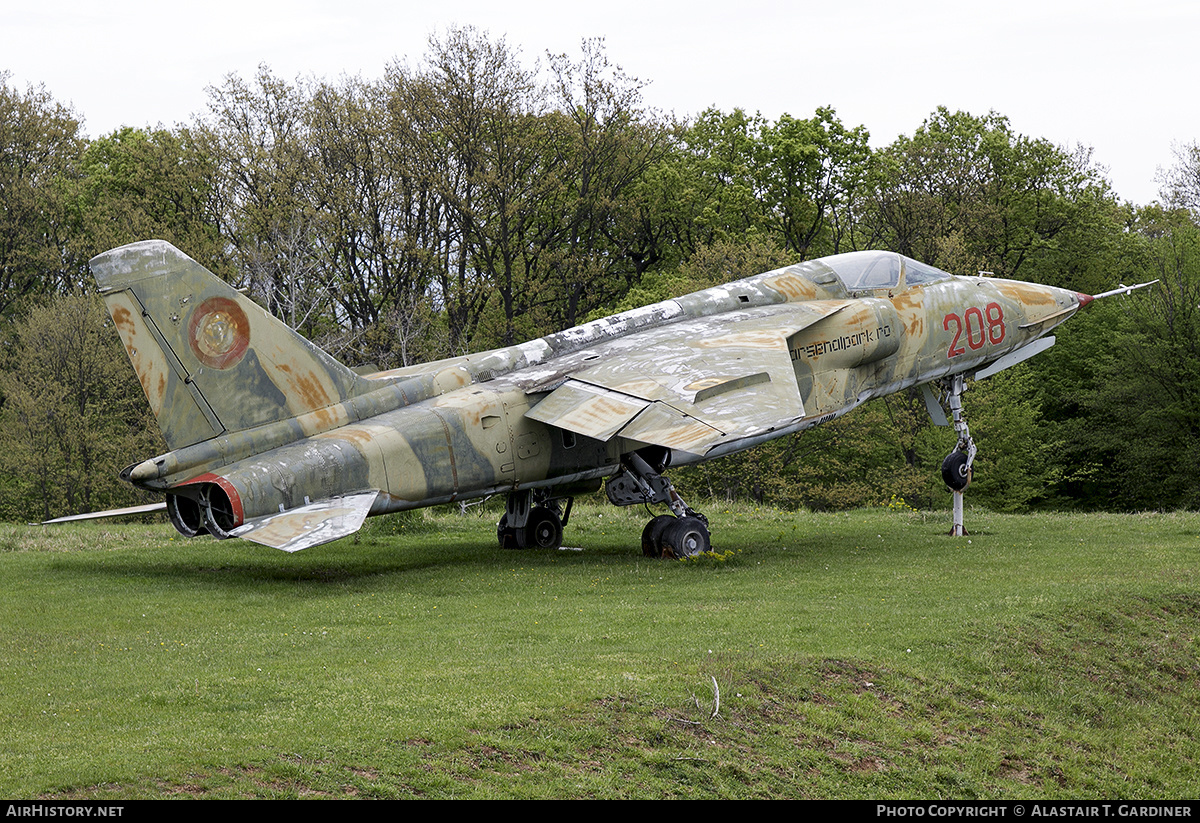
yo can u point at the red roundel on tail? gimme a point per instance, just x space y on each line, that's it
219 333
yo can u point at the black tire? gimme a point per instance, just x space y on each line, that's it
543 530
507 537
652 535
955 472
686 537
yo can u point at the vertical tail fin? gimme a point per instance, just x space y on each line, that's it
209 359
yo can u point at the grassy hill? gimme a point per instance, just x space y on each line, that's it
860 654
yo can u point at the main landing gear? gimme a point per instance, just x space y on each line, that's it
532 521
683 533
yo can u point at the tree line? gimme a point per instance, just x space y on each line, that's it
478 199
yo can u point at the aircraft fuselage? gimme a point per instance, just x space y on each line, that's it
262 424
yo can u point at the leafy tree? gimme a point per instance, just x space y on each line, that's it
137 184
40 146
256 140
1181 183
967 190
1149 396
72 411
1120 393
809 176
541 181
370 200
479 93
603 145
799 182
704 191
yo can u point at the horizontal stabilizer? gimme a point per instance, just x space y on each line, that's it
131 510
310 525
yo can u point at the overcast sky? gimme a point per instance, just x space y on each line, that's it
1119 77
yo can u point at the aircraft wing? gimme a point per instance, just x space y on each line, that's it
691 385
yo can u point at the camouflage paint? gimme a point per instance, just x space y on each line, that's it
265 429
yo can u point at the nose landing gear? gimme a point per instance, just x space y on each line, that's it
957 468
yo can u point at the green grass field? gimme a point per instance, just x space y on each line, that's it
861 654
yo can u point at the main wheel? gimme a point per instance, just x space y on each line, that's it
686 537
653 533
506 535
955 472
544 529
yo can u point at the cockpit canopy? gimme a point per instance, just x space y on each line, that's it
869 270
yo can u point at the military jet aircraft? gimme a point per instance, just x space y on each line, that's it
273 440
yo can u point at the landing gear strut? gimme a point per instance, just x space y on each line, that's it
531 521
681 534
957 467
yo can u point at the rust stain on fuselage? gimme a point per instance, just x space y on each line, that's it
742 340
792 286
123 319
304 391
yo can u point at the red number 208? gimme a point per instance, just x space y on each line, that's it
979 326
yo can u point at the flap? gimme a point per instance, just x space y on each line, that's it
589 410
688 385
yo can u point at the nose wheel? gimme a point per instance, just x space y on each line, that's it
956 472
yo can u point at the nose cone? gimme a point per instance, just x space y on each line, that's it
1044 307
